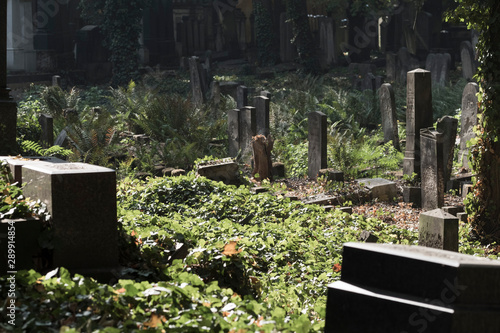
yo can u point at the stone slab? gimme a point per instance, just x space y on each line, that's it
227 172
381 189
81 199
422 272
16 164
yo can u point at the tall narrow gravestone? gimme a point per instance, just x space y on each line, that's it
317 143
400 288
241 97
418 116
262 108
388 112
233 128
81 199
467 58
448 126
47 124
432 173
468 120
197 87
248 129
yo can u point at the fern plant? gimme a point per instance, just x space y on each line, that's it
34 148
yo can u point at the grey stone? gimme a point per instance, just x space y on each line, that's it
431 144
381 189
16 164
248 129
413 194
438 229
367 237
452 210
317 143
418 116
401 288
466 189
331 175
178 172
388 113
56 81
448 126
468 120
196 81
391 66
227 172
288 52
326 41
262 108
81 199
266 93
468 61
462 217
320 199
241 97
234 133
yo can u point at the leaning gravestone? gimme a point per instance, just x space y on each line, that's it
448 126
81 199
400 288
418 116
197 88
432 173
317 143
438 229
388 112
468 120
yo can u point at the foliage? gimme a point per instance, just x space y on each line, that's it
120 22
482 205
33 148
265 36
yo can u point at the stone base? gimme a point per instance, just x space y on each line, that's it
413 194
381 189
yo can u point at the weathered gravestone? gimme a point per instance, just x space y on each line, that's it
431 151
388 112
262 108
248 129
198 81
16 164
468 120
226 171
439 66
47 125
266 93
418 116
438 229
288 52
317 143
326 41
56 81
467 58
381 189
448 125
81 199
391 66
233 128
241 97
400 288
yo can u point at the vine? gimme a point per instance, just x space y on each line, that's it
120 21
483 203
266 40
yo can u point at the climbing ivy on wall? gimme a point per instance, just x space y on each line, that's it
265 36
484 202
120 21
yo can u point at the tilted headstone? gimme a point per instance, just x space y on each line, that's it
468 120
418 116
81 199
196 81
388 113
438 229
47 125
248 129
468 61
241 97
62 139
448 126
432 173
401 288
233 127
317 122
262 108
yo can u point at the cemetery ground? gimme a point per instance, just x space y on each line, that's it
201 255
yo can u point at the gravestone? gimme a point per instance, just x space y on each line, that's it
418 116
47 125
241 97
388 113
266 93
432 173
215 92
326 41
16 164
401 288
317 122
196 81
438 229
56 81
381 189
468 61
287 49
262 108
234 134
248 129
405 62
439 66
448 126
226 171
468 120
391 66
81 198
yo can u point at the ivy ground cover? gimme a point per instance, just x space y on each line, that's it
202 256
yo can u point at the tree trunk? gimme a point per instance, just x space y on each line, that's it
262 163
